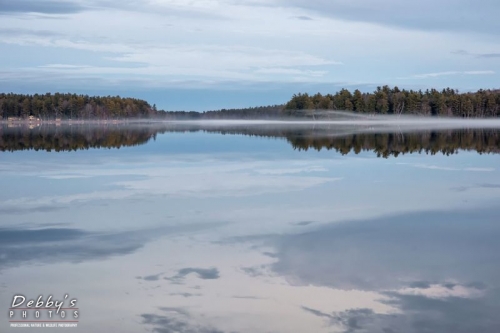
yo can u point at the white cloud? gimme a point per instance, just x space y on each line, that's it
438 74
162 42
480 169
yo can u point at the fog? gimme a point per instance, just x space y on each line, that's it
348 123
324 123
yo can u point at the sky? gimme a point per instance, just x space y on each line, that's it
210 54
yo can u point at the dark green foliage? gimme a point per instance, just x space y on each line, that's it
72 106
384 100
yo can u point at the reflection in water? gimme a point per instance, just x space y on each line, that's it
174 320
74 137
439 268
345 139
48 245
375 254
201 232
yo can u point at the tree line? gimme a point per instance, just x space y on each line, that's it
259 112
386 100
72 106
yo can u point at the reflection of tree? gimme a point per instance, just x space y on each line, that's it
344 141
390 144
68 138
383 144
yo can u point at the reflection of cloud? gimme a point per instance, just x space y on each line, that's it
202 273
443 290
155 277
213 179
439 269
317 312
186 295
435 167
62 244
23 245
255 271
444 168
420 314
391 252
248 297
175 320
353 320
285 171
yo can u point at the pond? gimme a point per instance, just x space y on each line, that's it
251 227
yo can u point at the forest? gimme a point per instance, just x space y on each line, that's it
72 106
386 100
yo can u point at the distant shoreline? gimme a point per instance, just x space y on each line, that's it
384 101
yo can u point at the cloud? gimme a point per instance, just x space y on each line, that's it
19 32
17 210
40 6
477 55
302 223
304 18
478 186
427 15
439 74
480 169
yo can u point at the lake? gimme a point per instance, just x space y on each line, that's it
208 227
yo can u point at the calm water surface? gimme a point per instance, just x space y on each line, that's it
185 228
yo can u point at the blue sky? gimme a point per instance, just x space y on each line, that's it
208 54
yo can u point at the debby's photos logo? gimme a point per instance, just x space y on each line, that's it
43 312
